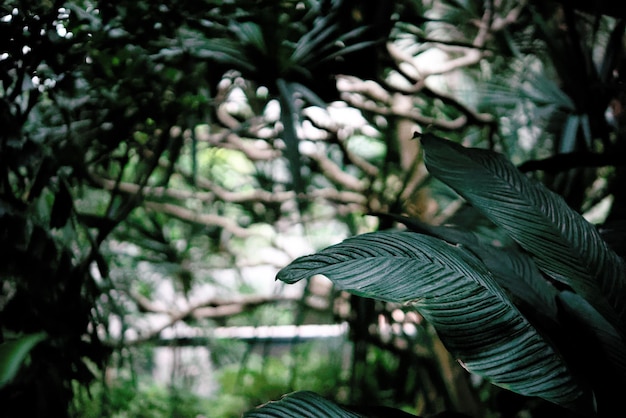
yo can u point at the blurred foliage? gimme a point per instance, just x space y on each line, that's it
240 389
159 161
268 377
125 398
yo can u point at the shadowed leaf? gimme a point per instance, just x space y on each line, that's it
564 245
455 292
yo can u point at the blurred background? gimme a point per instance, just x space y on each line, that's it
160 161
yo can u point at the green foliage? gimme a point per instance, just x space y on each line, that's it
311 366
13 352
301 404
126 398
141 154
452 281
564 245
452 285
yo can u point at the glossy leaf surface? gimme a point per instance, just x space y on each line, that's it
456 293
564 245
302 404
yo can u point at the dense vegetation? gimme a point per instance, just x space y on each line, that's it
540 316
160 161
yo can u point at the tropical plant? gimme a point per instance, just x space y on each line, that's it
543 317
120 153
125 398
142 148
292 50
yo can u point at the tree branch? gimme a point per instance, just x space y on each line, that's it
408 113
334 137
334 173
208 219
213 308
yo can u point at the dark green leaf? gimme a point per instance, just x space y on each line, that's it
564 245
349 49
322 51
609 341
302 404
315 38
511 268
517 272
13 353
455 292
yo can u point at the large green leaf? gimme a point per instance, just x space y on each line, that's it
455 292
512 269
608 341
564 245
303 404
306 404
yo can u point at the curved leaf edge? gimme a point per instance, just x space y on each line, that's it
598 277
576 396
308 404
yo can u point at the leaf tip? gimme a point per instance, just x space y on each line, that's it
287 275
